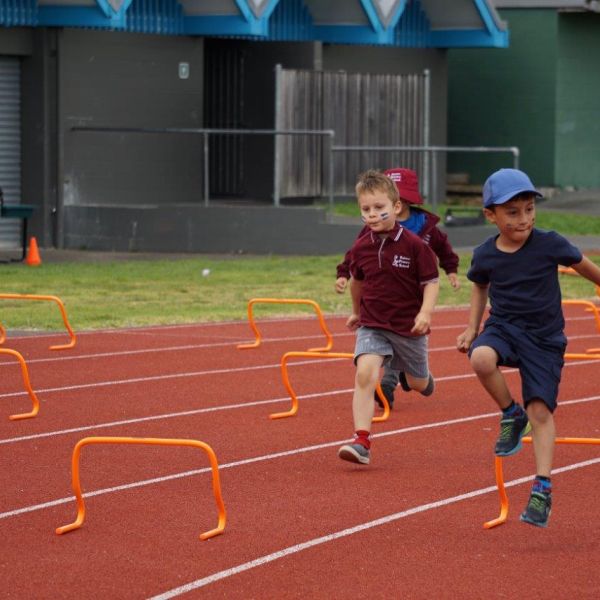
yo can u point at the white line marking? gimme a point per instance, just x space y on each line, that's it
296 548
265 457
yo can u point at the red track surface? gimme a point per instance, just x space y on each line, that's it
300 522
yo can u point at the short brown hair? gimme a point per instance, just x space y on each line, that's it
375 181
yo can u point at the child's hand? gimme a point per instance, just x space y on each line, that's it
454 281
465 339
422 323
352 322
340 284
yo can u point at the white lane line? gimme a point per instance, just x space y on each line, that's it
231 342
266 457
163 377
185 413
231 370
296 548
215 408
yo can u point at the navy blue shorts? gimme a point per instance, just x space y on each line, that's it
539 360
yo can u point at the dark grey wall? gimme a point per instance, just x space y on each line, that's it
128 80
261 58
214 229
39 134
219 229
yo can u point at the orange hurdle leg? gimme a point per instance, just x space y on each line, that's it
500 479
61 307
35 402
294 398
149 441
312 303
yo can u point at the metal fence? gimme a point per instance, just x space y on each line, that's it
430 179
328 151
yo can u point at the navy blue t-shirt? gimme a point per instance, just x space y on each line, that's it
524 288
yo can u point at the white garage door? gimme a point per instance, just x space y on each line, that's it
10 147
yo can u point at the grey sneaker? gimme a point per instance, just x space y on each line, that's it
388 392
512 430
355 453
538 509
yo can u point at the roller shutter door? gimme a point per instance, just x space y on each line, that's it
10 147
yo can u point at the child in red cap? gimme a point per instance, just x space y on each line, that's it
422 223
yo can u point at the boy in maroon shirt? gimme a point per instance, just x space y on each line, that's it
422 223
394 289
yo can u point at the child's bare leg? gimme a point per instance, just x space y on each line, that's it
419 384
543 435
484 361
367 376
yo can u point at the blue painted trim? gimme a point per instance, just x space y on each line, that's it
270 8
475 38
486 17
78 16
399 12
248 13
353 34
245 10
233 25
372 15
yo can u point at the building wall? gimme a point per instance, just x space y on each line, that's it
578 101
128 80
507 97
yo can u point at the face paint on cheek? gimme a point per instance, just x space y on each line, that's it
381 217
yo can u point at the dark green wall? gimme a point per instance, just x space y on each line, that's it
578 101
506 97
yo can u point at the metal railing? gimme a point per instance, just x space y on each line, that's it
431 151
429 177
325 133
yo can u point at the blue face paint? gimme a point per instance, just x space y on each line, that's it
382 216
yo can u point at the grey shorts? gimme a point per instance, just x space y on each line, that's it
407 354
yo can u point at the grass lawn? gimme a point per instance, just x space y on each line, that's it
130 293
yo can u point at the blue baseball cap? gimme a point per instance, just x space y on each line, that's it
505 184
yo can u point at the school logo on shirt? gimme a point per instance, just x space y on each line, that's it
402 262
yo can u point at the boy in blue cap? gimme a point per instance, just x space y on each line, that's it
517 270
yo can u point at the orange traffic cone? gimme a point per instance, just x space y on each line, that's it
33 256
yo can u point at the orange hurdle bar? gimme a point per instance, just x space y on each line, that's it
36 404
314 354
63 312
500 477
312 303
150 441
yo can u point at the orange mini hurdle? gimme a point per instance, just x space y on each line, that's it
25 373
61 307
500 478
149 441
312 303
313 354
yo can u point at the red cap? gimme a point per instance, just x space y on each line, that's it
407 182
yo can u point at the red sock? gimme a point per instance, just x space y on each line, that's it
363 438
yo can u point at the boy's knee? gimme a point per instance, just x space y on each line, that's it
538 412
484 360
366 377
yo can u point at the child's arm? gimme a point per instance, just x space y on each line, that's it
448 258
479 296
423 318
355 294
343 274
586 268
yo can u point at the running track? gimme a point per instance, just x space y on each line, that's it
300 522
